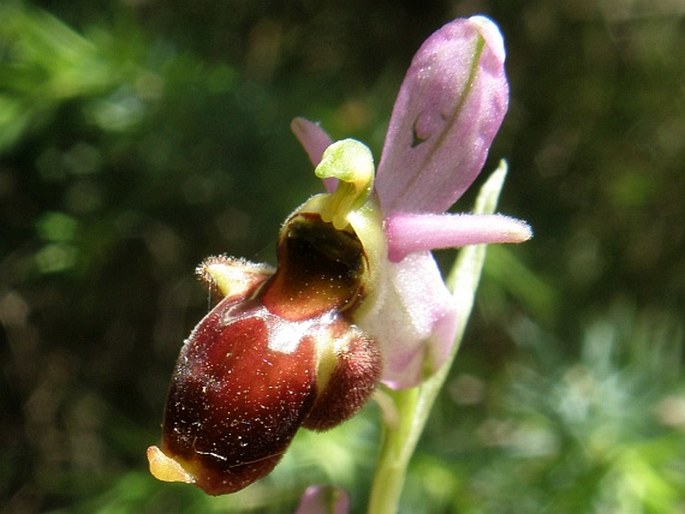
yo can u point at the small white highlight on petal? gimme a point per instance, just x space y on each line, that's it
491 34
286 336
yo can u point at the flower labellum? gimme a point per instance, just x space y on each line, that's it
279 351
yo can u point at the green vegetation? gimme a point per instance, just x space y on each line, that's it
138 137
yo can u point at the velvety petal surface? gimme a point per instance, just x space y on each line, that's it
447 113
414 322
410 233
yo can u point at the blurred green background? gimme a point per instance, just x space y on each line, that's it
139 136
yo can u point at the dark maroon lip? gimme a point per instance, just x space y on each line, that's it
234 404
281 354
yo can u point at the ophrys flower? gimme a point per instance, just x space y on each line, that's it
356 295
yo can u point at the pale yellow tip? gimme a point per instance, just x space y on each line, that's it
232 276
167 469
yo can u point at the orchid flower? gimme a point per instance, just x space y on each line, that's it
449 108
356 296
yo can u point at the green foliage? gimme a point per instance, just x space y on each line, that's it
602 433
46 64
137 138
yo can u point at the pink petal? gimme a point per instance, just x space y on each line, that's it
321 499
415 323
447 113
409 233
314 140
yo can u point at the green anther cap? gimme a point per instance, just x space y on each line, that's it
351 163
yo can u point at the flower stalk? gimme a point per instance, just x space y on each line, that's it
411 407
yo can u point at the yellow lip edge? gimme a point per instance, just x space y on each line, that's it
167 469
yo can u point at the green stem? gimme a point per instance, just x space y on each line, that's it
396 451
409 409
